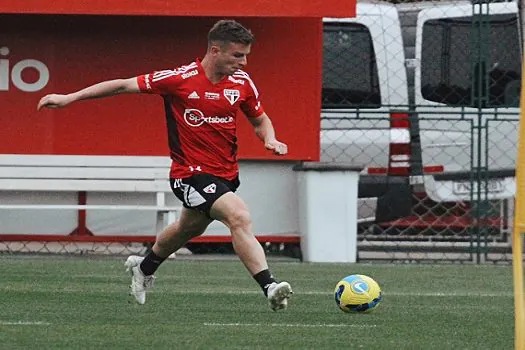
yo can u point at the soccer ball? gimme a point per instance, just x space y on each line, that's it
357 293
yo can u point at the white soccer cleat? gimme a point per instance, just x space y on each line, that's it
278 294
139 282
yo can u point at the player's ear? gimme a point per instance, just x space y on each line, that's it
214 49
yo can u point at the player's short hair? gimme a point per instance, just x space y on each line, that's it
230 31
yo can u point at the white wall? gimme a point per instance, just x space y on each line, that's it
268 188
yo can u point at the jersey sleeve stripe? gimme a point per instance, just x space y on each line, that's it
163 74
243 75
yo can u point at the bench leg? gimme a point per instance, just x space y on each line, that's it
81 229
165 218
159 226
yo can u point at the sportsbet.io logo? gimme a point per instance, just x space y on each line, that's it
193 117
22 73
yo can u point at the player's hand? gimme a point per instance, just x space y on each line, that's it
53 101
277 147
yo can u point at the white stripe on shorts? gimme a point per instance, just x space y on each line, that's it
192 198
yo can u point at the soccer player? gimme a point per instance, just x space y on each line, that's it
201 100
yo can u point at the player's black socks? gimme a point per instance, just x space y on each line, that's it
151 263
264 278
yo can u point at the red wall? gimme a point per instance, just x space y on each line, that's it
257 8
81 50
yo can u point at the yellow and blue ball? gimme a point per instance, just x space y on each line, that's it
357 293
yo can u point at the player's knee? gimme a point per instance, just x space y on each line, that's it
241 219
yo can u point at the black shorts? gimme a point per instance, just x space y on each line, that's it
200 191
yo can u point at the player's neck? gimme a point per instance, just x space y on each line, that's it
210 71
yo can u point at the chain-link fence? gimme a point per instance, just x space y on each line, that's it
425 95
122 248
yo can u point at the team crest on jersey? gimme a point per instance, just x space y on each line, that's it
232 95
210 188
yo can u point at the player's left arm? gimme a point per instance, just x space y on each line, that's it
262 124
265 132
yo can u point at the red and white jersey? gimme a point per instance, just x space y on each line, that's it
201 117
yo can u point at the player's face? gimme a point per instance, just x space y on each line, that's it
232 56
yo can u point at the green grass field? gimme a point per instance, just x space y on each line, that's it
82 303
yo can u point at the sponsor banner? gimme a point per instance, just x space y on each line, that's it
60 54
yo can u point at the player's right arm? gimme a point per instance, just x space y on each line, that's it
103 89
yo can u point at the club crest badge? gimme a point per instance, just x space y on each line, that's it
210 188
232 95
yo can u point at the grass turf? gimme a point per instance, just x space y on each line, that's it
82 303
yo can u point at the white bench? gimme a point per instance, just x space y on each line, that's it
84 174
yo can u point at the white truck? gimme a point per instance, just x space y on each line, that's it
364 87
448 125
466 88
